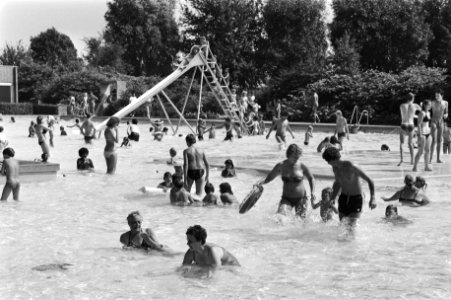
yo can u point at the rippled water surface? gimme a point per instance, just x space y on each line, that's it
77 219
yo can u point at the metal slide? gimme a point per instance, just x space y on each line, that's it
194 62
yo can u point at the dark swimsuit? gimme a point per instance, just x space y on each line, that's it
427 119
195 174
300 202
349 204
407 127
142 246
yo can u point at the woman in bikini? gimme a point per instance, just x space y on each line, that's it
293 171
41 130
137 237
424 135
409 195
111 137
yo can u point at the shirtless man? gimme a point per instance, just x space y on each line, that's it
41 130
10 168
88 129
439 113
205 255
195 165
347 180
341 127
281 126
407 110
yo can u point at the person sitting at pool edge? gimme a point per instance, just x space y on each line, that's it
178 195
409 195
229 169
204 254
136 237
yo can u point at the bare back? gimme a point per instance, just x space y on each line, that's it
348 177
11 170
408 112
195 158
341 125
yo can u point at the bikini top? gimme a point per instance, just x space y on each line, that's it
402 199
426 118
292 179
131 244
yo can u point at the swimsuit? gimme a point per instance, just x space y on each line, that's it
407 127
349 204
108 153
88 138
299 204
341 134
195 174
142 246
134 136
286 179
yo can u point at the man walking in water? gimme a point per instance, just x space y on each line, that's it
88 129
281 126
347 181
439 113
407 109
195 165
341 127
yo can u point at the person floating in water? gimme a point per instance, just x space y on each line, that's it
409 195
204 254
347 181
139 238
327 208
195 165
229 169
84 163
10 168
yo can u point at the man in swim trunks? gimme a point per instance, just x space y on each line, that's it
195 165
136 237
407 109
88 129
341 127
347 180
205 254
281 126
439 114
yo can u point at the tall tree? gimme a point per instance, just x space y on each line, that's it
105 55
234 31
54 49
13 55
390 35
147 32
346 58
296 33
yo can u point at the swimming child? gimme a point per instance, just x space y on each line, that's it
167 183
229 170
210 198
10 168
227 196
308 135
327 207
31 130
178 195
63 131
391 215
84 163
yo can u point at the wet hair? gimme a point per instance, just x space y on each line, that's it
9 151
209 188
83 151
424 104
331 154
113 121
133 214
190 139
77 121
167 174
408 180
334 140
177 180
225 188
294 149
135 121
420 182
327 190
384 147
39 119
172 152
389 209
198 232
229 162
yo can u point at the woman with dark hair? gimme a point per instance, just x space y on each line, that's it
424 135
293 171
229 169
227 196
111 137
409 195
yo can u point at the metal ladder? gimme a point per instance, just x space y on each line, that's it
219 87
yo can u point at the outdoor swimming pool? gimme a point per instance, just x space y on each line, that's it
78 218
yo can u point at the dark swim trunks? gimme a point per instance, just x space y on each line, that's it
88 138
299 204
195 174
407 127
133 136
341 134
349 204
229 136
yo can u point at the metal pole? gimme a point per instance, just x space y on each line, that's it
200 94
186 98
166 114
176 109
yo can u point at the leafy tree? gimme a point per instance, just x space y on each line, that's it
106 55
54 49
13 55
346 58
234 31
390 35
296 34
147 32
33 78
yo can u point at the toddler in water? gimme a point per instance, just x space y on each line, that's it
167 183
308 135
10 168
326 206
210 198
178 195
229 170
446 140
84 163
63 131
227 196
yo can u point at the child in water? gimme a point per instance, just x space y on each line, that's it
31 130
84 163
327 209
10 168
167 183
212 132
229 169
63 131
308 135
391 215
178 195
210 198
227 196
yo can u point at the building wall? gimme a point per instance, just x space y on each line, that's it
8 84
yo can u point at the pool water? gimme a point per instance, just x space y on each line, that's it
78 218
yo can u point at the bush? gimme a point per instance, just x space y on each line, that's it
16 108
45 109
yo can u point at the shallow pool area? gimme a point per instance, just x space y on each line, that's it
78 217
